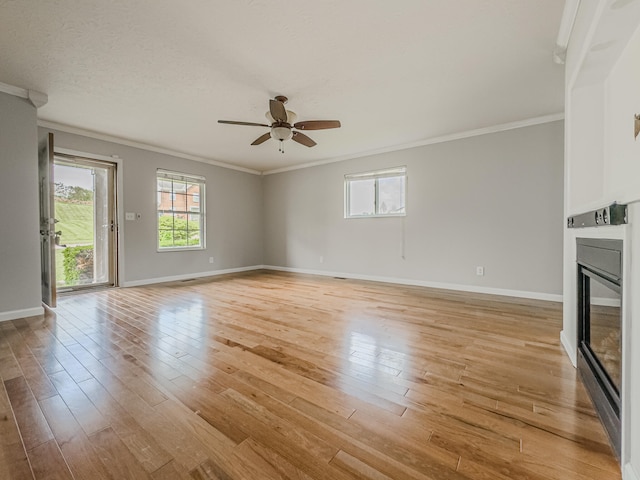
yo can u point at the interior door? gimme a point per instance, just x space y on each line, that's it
47 221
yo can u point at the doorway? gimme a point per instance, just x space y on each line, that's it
85 237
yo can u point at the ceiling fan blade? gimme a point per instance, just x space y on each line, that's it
303 139
317 124
250 124
277 110
262 139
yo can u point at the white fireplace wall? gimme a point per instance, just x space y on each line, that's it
602 165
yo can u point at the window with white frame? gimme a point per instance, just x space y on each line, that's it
180 223
382 193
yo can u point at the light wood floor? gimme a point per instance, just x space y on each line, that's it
270 375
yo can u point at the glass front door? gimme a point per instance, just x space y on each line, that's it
85 236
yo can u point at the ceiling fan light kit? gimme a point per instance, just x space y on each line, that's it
281 133
282 123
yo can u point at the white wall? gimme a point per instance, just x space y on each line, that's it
621 181
19 217
622 169
586 187
493 200
233 213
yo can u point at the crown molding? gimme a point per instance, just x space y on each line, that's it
143 146
430 141
37 99
15 91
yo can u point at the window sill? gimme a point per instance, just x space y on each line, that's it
179 249
401 215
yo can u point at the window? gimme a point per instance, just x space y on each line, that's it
376 194
180 225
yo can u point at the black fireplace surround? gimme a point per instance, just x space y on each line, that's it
600 328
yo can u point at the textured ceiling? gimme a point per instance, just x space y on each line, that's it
162 72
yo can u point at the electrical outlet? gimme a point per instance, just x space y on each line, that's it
321 259
210 259
480 271
129 216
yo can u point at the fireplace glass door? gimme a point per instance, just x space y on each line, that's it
603 331
600 328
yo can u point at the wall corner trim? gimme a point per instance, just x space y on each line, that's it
23 313
571 353
37 99
629 472
549 297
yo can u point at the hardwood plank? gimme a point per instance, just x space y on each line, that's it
13 457
9 367
167 435
36 377
287 432
72 440
266 463
48 463
33 427
171 471
82 408
209 470
436 464
139 442
115 456
357 467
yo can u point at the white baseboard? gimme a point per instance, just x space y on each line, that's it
374 278
421 283
25 312
189 276
569 348
629 472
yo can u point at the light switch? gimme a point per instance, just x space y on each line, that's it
129 216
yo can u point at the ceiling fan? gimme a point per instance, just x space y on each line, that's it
282 125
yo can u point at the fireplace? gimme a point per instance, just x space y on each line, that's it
600 328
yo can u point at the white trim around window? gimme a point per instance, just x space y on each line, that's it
379 193
179 225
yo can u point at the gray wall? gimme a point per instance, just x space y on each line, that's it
19 217
233 212
494 200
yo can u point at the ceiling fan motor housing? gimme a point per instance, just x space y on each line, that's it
291 117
